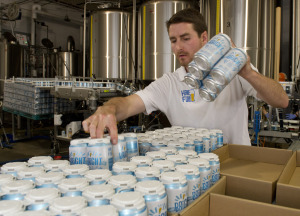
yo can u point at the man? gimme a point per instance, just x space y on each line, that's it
182 105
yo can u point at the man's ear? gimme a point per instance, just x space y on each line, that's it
204 37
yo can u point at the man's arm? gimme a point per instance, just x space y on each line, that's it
267 89
107 116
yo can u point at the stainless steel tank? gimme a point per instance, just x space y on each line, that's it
110 44
250 24
155 56
68 64
296 41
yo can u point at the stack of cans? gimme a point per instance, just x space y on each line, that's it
214 66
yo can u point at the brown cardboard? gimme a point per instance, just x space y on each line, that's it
253 171
288 186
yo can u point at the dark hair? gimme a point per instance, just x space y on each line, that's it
189 15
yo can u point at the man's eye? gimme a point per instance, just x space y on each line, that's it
173 41
186 39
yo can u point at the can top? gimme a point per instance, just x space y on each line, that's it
189 128
76 169
56 165
150 132
209 156
99 141
173 177
188 169
49 178
102 191
205 95
124 166
11 207
201 130
168 150
187 153
75 142
175 144
169 138
104 210
141 160
191 81
4 178
13 167
145 140
156 137
212 132
159 142
200 162
98 174
63 205
73 184
143 172
35 213
152 187
186 141
159 130
30 172
128 200
39 160
141 135
20 186
167 129
130 135
179 136
195 138
176 127
41 195
163 164
120 138
176 158
122 181
194 69
156 155
217 130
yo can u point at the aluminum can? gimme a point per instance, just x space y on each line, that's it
177 159
67 205
188 153
196 71
219 137
156 155
198 143
75 170
157 144
229 66
124 168
40 199
176 144
98 195
56 165
144 146
132 146
72 186
13 168
169 150
192 81
99 154
38 161
207 95
119 150
130 204
142 161
16 190
30 173
78 151
155 196
104 210
192 175
147 173
212 51
206 142
188 144
205 172
176 127
177 190
5 178
99 176
49 179
11 207
213 140
214 163
212 86
122 183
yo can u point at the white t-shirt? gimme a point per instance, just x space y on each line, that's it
183 106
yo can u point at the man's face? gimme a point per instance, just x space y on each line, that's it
185 42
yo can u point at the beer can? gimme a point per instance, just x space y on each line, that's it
78 151
214 163
212 86
13 168
176 127
177 159
104 210
179 136
169 150
11 207
142 161
67 205
39 161
119 150
213 139
130 203
206 142
226 69
49 179
177 190
30 173
188 153
40 199
124 168
212 51
99 154
98 195
198 142
5 178
97 177
176 144
156 155
72 186
75 170
147 173
157 144
155 196
207 95
192 175
56 165
132 146
192 81
205 172
159 131
164 165
188 144
196 71
16 190
122 183
144 146
219 137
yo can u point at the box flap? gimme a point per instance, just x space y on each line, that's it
222 152
231 206
298 158
288 195
295 180
266 155
288 171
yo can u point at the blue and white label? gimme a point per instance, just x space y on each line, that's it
177 197
119 151
156 206
194 187
100 156
77 154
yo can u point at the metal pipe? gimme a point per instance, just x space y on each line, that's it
133 35
84 39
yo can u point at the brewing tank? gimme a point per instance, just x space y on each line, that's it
250 24
68 64
155 56
110 44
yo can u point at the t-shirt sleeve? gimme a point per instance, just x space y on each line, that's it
247 87
155 95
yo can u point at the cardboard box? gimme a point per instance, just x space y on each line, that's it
288 185
252 172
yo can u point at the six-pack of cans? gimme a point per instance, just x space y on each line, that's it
167 178
214 66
